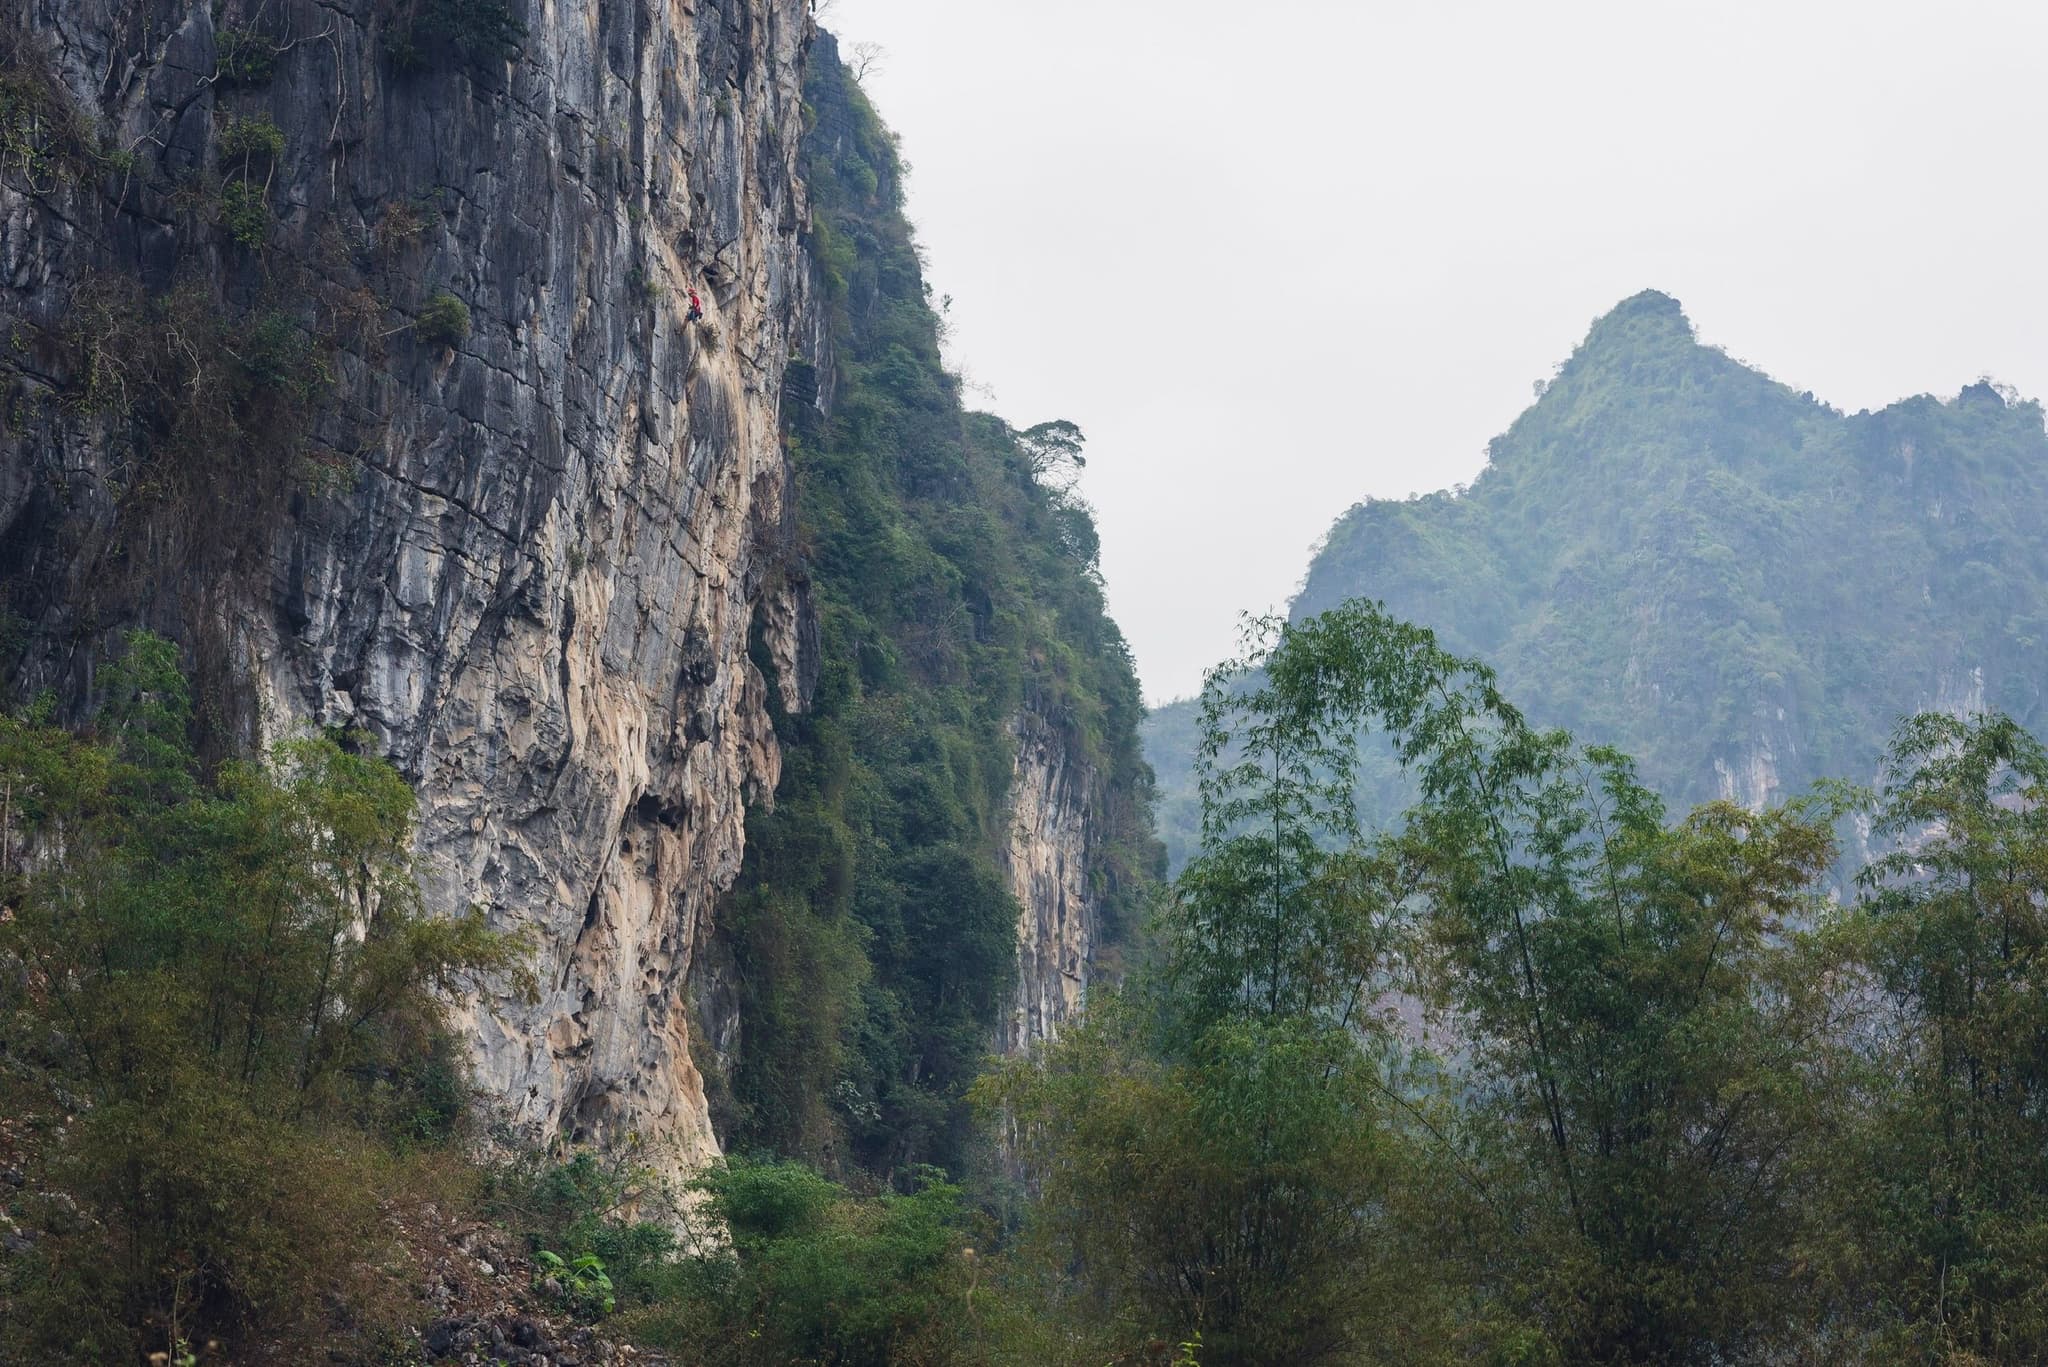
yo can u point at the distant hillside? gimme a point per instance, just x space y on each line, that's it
1731 580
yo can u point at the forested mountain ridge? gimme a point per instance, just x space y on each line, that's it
963 827
1736 583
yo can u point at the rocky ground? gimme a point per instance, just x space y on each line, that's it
484 1302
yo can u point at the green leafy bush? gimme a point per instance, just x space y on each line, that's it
244 56
252 140
814 1274
234 990
280 356
580 1283
443 320
420 35
245 213
249 149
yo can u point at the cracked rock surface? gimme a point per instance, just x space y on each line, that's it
1047 859
533 580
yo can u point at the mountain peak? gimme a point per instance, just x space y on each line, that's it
1651 316
1643 342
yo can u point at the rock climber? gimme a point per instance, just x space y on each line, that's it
696 308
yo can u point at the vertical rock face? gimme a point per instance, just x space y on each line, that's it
1047 860
534 581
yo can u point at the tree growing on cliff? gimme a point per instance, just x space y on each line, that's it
420 35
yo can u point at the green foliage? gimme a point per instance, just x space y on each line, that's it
281 357
1287 912
614 1213
244 56
421 35
1940 1191
1685 1112
814 1274
1641 1003
249 151
1221 1152
579 1283
251 141
774 1264
1619 1160
229 980
1238 1184
245 213
872 930
443 320
1634 989
1677 556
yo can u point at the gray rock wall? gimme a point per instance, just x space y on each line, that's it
526 563
1047 859
531 561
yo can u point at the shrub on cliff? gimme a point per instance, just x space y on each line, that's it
244 56
443 320
252 141
421 35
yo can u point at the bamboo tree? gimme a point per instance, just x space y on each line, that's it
1947 1217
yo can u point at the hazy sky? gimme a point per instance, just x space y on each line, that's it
1279 257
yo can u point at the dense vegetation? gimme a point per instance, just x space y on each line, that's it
1538 1075
224 1004
1742 587
954 576
1534 1073
220 1028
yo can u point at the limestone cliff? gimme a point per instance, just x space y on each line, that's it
347 344
1048 857
524 553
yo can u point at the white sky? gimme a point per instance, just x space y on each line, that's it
1281 256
